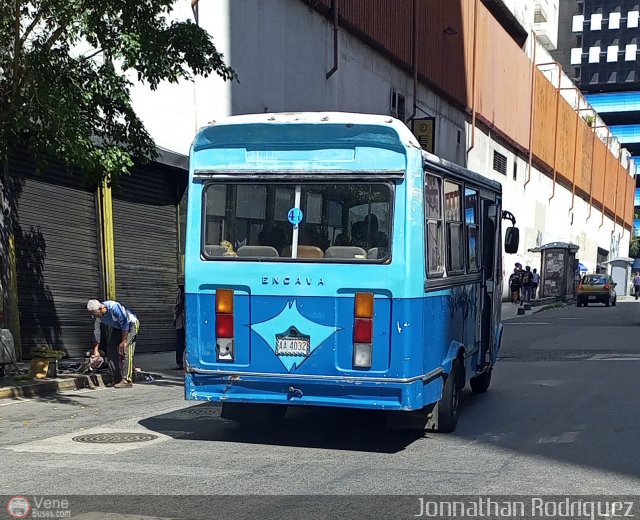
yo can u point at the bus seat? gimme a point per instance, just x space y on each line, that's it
258 252
345 252
304 252
372 253
214 250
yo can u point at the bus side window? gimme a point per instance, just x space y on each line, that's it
434 229
471 223
454 234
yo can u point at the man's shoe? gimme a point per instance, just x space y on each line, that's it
123 384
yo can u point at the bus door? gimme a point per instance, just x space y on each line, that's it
491 297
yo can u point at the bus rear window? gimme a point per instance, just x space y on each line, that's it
309 222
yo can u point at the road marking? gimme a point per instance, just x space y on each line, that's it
614 357
97 515
527 323
565 438
571 318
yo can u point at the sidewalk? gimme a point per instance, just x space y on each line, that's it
149 367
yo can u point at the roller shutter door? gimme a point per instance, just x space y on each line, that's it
146 252
57 258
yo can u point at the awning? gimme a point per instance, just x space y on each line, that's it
556 245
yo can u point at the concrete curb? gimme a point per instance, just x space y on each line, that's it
53 386
48 387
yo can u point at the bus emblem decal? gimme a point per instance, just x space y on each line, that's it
291 336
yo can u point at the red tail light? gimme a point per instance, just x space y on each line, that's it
363 330
606 287
224 325
580 287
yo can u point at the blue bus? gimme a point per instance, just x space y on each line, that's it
330 261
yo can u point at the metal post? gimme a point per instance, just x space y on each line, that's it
108 249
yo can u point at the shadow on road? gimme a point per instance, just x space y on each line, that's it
327 428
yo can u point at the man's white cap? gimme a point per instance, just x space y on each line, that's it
93 305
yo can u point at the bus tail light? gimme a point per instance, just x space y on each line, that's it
606 287
363 330
224 325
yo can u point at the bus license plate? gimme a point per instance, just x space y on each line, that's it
592 297
288 346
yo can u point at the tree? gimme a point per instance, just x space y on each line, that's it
64 90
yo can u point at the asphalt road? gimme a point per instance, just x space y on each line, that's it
561 416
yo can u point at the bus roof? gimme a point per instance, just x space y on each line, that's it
211 137
356 129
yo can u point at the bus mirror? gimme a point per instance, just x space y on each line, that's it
512 240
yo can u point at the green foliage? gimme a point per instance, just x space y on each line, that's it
61 102
634 248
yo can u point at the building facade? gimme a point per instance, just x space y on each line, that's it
476 74
466 67
598 47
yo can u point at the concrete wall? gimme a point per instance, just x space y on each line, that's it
281 54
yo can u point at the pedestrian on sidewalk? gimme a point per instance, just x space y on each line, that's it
178 322
527 285
535 283
636 285
515 283
117 317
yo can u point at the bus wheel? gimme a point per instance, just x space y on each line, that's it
449 404
480 384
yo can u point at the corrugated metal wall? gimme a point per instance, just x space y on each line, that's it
146 252
503 83
57 257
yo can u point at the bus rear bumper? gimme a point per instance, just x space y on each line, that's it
337 392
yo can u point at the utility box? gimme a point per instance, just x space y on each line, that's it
560 274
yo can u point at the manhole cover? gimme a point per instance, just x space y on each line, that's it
198 412
114 438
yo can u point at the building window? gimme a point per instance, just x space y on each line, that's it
515 170
459 137
577 73
576 56
594 54
580 7
578 23
632 19
630 52
398 105
596 21
614 21
499 163
612 53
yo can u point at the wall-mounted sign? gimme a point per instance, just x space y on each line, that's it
425 131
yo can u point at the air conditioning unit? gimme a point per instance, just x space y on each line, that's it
540 12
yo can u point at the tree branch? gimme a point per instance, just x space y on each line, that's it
16 55
54 38
92 55
31 27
